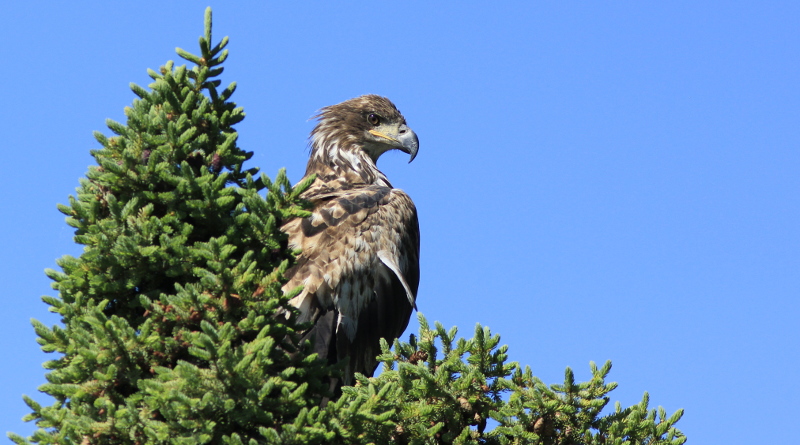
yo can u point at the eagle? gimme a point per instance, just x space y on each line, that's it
359 265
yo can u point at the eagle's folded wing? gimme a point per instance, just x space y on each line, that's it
360 271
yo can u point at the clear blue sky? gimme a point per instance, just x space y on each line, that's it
596 180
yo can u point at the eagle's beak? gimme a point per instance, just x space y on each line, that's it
403 138
409 142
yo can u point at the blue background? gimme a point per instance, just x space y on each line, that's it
596 180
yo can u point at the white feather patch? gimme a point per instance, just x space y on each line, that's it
387 259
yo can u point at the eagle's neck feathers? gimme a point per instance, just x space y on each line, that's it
335 154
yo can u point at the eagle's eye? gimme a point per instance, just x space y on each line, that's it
374 119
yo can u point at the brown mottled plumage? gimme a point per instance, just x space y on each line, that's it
360 248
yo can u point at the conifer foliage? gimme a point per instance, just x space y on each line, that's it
169 327
175 330
439 389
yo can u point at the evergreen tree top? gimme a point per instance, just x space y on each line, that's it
169 332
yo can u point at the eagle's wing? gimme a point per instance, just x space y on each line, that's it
360 271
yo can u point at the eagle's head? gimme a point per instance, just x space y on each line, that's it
369 125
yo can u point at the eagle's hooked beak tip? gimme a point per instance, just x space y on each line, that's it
410 143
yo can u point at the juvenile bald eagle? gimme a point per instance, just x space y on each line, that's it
360 248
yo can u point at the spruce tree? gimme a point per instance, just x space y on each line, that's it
440 389
170 331
174 328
